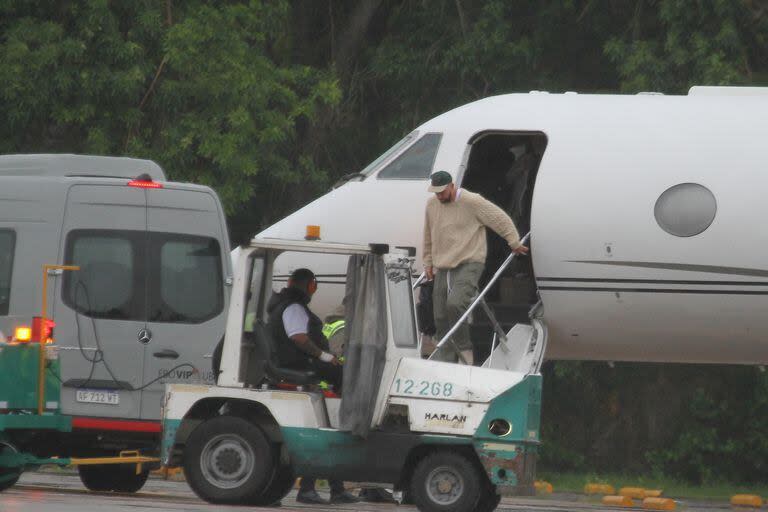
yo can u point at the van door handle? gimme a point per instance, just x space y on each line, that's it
166 353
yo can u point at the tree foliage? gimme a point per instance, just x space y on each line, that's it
207 91
685 42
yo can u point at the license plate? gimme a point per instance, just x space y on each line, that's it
98 396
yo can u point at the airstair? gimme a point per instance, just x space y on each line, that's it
520 348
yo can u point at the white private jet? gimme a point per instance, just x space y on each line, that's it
644 213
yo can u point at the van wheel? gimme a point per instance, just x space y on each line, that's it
94 478
127 480
112 477
281 484
446 481
228 460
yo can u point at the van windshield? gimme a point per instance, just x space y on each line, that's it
391 151
7 245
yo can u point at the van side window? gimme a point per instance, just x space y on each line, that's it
108 284
416 162
190 287
7 247
140 276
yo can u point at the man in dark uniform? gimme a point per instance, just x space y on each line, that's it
298 332
301 345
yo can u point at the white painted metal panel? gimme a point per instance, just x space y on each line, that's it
289 408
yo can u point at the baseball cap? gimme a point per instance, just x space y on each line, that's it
439 181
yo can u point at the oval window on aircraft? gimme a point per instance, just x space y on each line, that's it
686 209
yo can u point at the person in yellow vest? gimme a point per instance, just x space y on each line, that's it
454 254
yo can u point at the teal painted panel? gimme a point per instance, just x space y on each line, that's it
26 461
510 460
35 422
18 377
170 427
332 452
311 447
520 405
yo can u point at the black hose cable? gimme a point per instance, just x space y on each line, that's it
99 350
48 368
99 354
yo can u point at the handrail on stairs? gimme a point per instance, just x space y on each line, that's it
479 299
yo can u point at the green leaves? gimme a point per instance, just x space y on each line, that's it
229 111
721 433
681 43
205 95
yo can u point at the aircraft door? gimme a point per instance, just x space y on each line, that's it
99 310
187 304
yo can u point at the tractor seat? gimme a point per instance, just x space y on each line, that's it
263 364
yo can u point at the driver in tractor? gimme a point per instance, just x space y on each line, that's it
301 345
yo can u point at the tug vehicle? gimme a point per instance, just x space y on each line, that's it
455 437
33 430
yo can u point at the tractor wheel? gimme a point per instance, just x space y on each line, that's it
446 481
228 460
13 477
8 476
281 484
489 500
112 477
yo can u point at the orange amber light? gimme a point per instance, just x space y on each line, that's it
313 233
23 334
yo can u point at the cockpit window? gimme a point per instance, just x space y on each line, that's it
391 151
416 162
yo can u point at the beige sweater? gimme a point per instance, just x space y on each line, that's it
454 233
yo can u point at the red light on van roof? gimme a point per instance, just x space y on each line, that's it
144 184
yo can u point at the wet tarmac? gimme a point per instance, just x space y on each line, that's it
63 492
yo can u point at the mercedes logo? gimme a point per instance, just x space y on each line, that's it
145 336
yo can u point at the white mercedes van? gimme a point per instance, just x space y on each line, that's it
149 302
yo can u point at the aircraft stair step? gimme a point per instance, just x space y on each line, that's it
482 337
507 314
521 349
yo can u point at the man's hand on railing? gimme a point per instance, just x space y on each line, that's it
520 249
430 273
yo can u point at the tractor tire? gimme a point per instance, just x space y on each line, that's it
228 460
281 484
7 484
9 476
446 481
112 478
489 500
